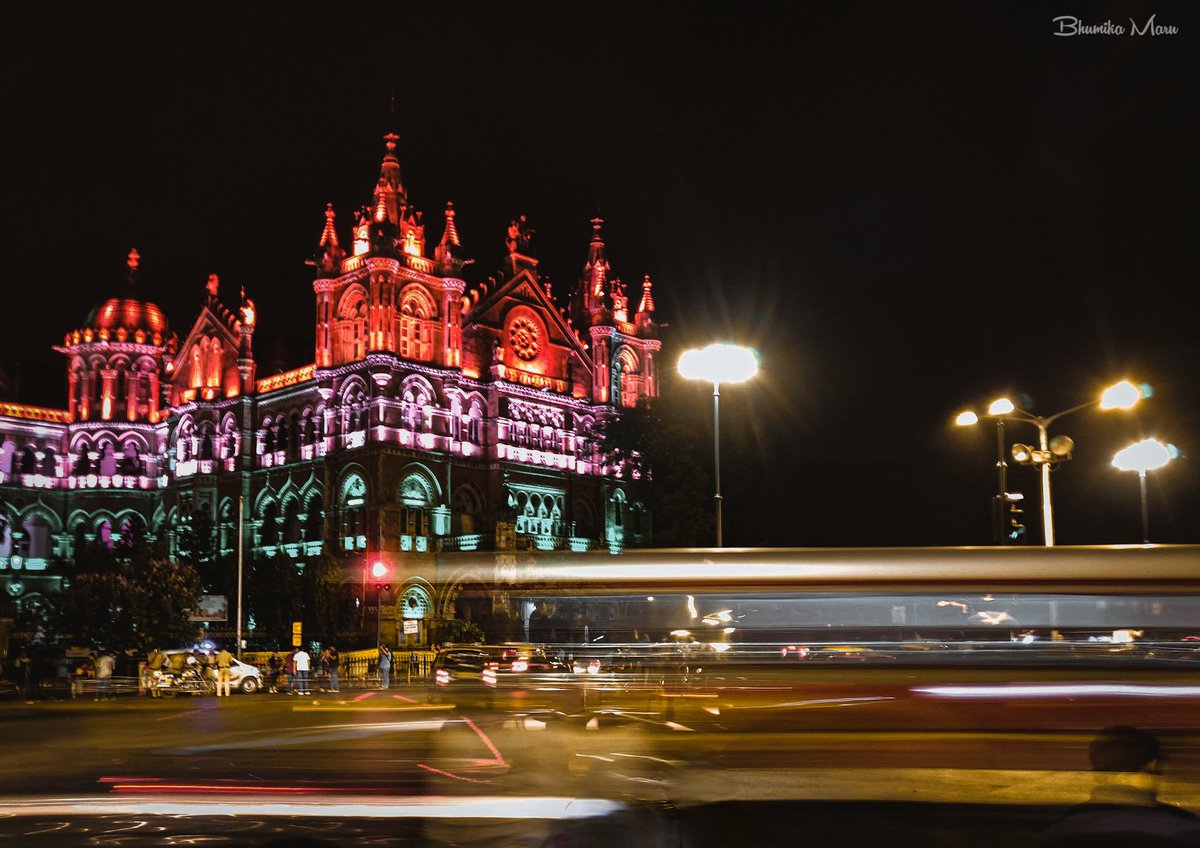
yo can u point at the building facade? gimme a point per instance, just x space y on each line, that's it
436 416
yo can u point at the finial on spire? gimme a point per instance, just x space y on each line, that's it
213 285
597 222
132 261
248 312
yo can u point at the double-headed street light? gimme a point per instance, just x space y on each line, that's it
718 363
1050 451
1146 455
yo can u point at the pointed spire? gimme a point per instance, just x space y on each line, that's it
329 235
448 253
647 304
595 270
389 191
450 235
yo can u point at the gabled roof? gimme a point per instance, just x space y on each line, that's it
527 288
214 318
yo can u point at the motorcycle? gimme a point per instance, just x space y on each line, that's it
189 681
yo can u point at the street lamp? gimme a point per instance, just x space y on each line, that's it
718 363
997 409
379 570
1050 451
1146 455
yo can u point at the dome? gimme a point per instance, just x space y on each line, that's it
128 314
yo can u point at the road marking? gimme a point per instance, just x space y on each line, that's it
181 715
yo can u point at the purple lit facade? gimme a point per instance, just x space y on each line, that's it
436 416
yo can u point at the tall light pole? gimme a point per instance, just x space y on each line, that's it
718 363
1146 455
1051 451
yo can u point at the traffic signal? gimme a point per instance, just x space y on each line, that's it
1016 528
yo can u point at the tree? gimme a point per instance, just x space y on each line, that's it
321 595
147 600
659 444
274 597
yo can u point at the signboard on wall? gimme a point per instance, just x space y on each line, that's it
411 626
297 633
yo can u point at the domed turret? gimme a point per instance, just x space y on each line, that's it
116 357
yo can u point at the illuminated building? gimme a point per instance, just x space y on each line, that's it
436 416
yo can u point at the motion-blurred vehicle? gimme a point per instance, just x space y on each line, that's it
512 676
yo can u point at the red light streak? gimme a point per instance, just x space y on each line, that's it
486 741
448 774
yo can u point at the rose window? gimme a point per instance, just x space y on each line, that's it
523 338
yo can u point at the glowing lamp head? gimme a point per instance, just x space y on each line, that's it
1001 406
966 419
719 363
1146 455
1121 396
379 570
1022 453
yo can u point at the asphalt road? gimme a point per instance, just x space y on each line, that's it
826 739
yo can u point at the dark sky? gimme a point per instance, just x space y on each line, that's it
908 208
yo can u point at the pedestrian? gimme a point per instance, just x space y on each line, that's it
274 666
302 661
25 675
224 671
155 661
289 669
1124 808
333 661
105 664
385 667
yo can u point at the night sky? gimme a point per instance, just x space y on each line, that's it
907 208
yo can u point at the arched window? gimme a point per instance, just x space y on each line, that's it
47 465
28 460
625 380
467 510
36 544
104 535
269 533
475 425
353 508
415 327
108 460
416 498
314 520
291 521
131 464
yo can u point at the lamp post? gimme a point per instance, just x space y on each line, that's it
1146 455
1050 451
718 363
